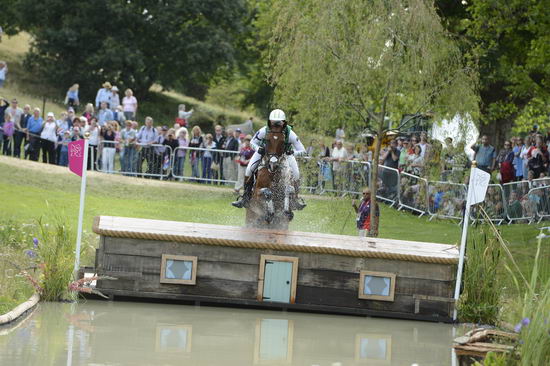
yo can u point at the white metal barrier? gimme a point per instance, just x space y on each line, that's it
493 204
446 199
413 193
205 165
516 201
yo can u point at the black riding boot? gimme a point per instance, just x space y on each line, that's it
299 203
247 194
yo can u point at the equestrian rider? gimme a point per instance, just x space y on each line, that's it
293 147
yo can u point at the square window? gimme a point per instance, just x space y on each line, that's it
178 269
376 285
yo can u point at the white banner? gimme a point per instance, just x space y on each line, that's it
479 181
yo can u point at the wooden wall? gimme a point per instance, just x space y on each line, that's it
325 282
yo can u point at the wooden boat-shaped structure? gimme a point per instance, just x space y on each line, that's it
217 264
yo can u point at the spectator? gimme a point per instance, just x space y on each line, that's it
118 116
104 95
8 130
115 99
505 159
159 151
245 154
207 156
389 176
364 213
485 155
3 73
403 156
416 162
525 150
219 140
229 163
108 135
34 128
64 150
129 105
172 142
514 206
48 138
340 134
537 157
104 114
146 137
323 161
128 139
93 142
21 132
425 146
195 155
183 115
518 161
338 156
183 143
89 111
71 99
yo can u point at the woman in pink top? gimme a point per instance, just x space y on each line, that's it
129 105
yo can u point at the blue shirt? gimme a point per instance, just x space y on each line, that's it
485 155
147 135
35 125
104 116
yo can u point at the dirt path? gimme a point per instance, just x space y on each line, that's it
116 178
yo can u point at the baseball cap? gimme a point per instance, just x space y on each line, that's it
238 129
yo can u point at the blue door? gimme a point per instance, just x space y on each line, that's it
277 281
274 340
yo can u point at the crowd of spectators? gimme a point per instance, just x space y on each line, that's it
406 164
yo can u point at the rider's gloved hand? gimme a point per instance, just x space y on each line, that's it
261 151
290 151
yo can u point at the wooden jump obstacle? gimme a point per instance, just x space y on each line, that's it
217 264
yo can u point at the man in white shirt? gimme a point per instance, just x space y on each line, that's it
104 95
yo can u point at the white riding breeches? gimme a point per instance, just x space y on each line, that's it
255 161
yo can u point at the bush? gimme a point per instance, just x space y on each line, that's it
480 298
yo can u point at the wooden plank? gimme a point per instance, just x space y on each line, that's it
204 286
209 300
300 241
308 277
150 248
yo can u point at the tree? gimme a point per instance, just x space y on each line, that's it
132 43
377 59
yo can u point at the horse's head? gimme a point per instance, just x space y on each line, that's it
275 147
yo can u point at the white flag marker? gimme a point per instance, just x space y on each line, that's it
477 188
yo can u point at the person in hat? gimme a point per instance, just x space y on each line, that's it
115 99
104 95
49 138
293 147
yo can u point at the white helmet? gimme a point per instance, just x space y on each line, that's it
277 115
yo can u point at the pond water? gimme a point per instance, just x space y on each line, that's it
129 333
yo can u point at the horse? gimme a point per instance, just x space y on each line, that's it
270 205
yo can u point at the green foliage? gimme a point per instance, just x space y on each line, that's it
480 299
56 255
372 59
132 44
511 42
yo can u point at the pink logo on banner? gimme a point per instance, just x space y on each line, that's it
76 156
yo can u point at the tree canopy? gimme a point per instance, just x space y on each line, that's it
134 43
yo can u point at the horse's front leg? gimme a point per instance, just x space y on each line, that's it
289 192
269 206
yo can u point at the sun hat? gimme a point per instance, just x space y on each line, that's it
107 85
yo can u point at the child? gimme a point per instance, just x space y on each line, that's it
183 143
64 151
8 134
183 115
207 156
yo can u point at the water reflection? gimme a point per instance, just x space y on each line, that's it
103 333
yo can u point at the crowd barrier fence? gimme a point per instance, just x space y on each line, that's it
413 193
446 200
493 204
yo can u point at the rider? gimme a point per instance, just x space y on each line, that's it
293 147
